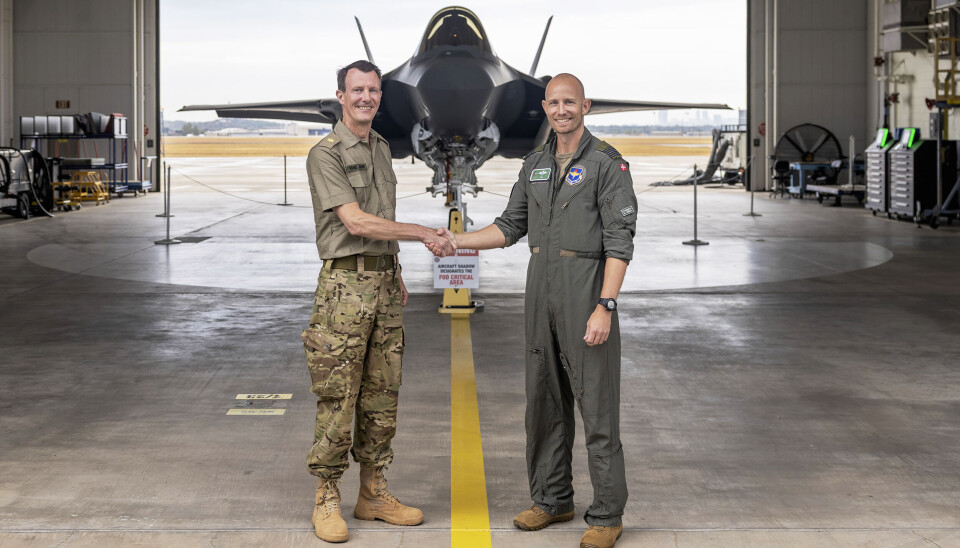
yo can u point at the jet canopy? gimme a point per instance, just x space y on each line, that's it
454 26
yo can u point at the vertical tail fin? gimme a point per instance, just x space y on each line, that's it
364 38
536 60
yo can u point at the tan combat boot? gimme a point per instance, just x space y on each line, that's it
376 502
598 536
327 521
537 518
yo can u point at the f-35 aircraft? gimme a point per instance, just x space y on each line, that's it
454 104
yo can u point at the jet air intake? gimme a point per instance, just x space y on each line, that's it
455 92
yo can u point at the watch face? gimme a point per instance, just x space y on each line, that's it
610 304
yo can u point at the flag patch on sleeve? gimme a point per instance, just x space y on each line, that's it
627 211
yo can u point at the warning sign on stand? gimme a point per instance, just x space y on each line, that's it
458 271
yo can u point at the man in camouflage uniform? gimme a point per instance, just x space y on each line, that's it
575 201
354 343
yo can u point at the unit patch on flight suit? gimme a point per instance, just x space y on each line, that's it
575 175
626 211
538 175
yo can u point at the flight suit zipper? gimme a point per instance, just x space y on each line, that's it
552 189
565 204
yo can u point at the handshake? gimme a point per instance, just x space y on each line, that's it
440 242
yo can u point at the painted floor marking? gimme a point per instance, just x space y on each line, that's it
256 411
264 396
469 515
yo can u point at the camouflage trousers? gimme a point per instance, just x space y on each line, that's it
354 347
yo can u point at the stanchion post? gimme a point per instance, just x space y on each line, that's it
167 240
696 181
752 213
165 172
285 202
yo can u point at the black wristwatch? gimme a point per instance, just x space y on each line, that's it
609 304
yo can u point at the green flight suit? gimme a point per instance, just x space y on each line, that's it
574 221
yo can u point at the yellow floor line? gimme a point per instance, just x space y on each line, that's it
469 516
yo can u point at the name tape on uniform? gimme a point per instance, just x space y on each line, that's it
461 270
256 411
264 396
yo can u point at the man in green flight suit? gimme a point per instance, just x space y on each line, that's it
575 200
354 344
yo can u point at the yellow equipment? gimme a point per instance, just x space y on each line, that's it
457 301
89 187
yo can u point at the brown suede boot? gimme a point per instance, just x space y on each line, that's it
537 518
376 502
327 521
598 536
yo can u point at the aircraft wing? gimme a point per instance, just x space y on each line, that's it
325 111
604 106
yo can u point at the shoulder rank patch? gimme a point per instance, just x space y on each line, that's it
608 149
328 141
534 151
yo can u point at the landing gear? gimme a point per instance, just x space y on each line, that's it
454 161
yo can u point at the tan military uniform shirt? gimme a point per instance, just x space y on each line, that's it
343 169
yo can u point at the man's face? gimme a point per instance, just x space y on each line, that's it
565 106
361 99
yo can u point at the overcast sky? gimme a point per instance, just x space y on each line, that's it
239 51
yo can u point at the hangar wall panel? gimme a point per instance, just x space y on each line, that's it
69 50
815 73
913 80
96 54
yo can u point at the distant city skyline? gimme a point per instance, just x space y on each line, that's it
221 51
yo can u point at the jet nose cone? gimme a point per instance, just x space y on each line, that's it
455 92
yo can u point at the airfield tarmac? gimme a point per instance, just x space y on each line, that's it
791 384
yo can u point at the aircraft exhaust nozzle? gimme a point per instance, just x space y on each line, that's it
455 92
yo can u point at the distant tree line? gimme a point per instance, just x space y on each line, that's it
190 129
171 127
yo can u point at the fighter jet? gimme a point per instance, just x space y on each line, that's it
453 104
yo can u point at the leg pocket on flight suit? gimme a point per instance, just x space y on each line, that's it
595 388
328 359
605 468
574 369
536 373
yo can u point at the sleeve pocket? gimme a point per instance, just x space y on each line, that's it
618 211
328 358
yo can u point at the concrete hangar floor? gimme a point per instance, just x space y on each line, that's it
794 383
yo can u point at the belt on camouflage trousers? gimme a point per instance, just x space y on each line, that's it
568 253
351 262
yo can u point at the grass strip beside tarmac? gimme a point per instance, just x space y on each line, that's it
186 147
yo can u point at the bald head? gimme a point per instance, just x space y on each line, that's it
566 79
565 106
